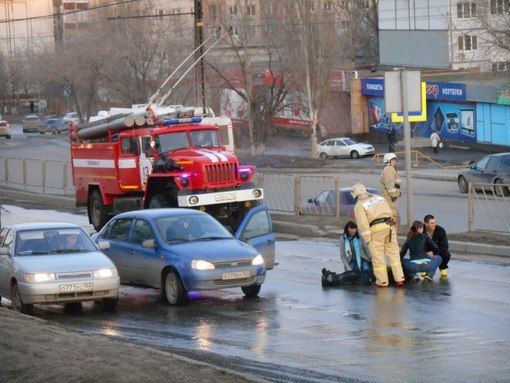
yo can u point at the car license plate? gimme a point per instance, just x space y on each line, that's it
76 287
236 275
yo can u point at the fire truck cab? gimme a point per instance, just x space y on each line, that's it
171 163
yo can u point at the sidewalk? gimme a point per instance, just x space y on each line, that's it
35 350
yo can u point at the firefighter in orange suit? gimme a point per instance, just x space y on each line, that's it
391 182
376 228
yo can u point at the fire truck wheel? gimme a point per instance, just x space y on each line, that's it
173 289
98 213
161 200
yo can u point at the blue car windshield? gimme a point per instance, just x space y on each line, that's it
189 228
53 241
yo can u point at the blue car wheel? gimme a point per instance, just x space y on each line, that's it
173 289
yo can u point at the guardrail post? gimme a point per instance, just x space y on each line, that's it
417 160
6 163
471 211
64 176
337 197
260 180
24 166
297 194
43 166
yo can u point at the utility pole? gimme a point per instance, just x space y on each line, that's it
58 23
200 68
407 145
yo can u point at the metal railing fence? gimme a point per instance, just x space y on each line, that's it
489 207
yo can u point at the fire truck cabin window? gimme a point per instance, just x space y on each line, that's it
173 141
129 146
205 139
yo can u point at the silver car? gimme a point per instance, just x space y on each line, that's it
55 262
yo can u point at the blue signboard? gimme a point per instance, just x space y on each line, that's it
445 91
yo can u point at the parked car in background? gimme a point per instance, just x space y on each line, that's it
182 250
324 203
72 117
53 125
5 129
344 146
31 123
491 169
54 262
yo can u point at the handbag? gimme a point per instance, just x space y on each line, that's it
440 145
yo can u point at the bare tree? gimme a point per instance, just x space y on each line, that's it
262 66
313 33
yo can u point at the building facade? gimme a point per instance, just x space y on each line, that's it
453 34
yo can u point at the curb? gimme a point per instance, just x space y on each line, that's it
53 200
307 231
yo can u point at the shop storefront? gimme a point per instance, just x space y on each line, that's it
482 117
448 111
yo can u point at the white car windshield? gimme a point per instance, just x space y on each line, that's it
350 141
189 228
53 241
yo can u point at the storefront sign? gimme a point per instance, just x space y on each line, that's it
446 91
503 96
372 87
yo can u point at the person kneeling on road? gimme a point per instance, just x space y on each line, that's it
438 235
421 249
376 228
355 257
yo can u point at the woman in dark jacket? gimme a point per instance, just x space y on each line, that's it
355 257
422 252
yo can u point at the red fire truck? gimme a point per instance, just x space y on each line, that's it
139 161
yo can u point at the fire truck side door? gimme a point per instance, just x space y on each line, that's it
129 175
145 160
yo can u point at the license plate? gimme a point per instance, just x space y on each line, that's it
76 287
236 275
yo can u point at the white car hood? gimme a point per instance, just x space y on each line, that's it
62 263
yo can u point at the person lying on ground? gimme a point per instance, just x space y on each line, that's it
422 250
355 257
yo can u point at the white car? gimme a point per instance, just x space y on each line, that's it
343 146
55 262
72 117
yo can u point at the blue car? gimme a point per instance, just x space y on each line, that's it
182 250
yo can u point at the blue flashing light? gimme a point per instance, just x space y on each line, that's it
177 121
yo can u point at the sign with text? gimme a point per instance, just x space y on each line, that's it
400 86
503 96
436 91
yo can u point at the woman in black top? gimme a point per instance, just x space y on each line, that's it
422 252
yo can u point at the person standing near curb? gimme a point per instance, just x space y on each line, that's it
391 182
438 235
376 228
392 137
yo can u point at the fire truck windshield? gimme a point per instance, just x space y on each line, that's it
172 141
205 139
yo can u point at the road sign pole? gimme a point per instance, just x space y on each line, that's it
407 144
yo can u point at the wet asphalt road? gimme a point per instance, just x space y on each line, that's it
455 330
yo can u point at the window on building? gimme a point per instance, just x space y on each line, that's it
498 7
234 30
233 10
251 10
466 10
502 66
328 6
344 4
160 13
212 12
467 43
494 67
312 6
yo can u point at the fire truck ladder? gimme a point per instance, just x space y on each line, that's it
160 100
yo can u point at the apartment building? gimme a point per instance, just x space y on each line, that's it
453 34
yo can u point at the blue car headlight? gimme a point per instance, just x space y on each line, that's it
258 260
199 264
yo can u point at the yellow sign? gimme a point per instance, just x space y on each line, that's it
396 117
